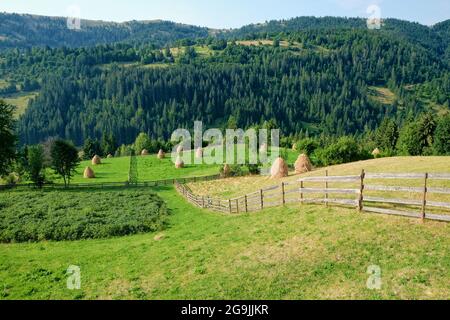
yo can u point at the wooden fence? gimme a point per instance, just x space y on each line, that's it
357 195
154 183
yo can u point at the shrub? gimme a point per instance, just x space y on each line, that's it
307 146
73 215
344 150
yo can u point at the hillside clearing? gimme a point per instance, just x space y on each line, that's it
382 95
20 101
310 252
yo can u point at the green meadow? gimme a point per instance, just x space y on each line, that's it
291 252
309 252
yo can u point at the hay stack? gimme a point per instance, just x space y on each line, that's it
376 152
303 164
279 169
110 156
96 160
294 147
180 149
226 170
199 153
144 152
161 154
179 164
88 173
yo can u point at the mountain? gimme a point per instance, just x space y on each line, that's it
26 31
311 76
435 38
319 82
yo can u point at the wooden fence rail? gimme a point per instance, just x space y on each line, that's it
358 196
153 183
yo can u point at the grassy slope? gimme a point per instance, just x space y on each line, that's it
150 168
20 101
284 253
239 186
382 95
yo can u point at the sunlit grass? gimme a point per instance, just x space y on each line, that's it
297 252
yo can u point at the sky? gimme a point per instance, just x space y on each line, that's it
230 13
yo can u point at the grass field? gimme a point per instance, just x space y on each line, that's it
284 253
3 83
20 101
292 252
382 95
150 168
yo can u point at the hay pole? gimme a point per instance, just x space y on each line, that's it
283 195
246 204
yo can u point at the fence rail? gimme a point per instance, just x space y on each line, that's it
152 183
357 196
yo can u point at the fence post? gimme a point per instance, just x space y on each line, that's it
424 202
301 192
203 201
283 198
326 188
229 206
237 205
361 190
261 192
246 204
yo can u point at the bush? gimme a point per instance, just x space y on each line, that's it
73 215
344 150
307 146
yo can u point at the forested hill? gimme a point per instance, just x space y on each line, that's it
436 38
26 31
318 81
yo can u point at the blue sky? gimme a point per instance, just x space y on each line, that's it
231 13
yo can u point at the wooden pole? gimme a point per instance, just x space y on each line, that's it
361 190
283 195
237 205
262 199
229 206
301 192
203 201
246 204
326 188
424 202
